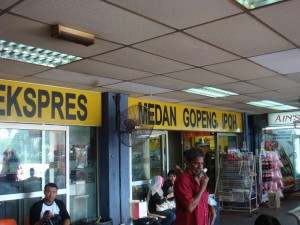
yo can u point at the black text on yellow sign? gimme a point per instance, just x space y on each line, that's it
43 104
180 117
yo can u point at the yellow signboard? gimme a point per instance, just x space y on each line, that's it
168 116
32 103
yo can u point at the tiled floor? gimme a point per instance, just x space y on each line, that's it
238 218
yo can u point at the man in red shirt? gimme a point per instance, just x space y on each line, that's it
190 192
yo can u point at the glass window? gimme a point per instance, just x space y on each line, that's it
148 160
83 170
33 155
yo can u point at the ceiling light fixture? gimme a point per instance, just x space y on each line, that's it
28 54
271 105
252 4
72 35
210 92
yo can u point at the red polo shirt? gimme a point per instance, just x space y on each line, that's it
185 189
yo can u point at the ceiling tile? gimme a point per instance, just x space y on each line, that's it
105 70
20 68
135 59
200 76
185 49
72 77
216 101
104 89
10 76
283 17
7 3
240 87
241 35
283 62
166 82
295 91
294 76
239 98
138 88
28 32
241 70
269 95
96 17
55 83
181 95
162 99
197 104
275 83
181 14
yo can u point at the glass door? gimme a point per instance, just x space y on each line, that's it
148 160
32 155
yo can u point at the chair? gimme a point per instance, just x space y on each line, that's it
295 213
156 216
8 222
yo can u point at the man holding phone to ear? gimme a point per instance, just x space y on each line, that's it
190 192
49 210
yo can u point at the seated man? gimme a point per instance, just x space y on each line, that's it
49 210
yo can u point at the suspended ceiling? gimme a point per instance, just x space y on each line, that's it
156 48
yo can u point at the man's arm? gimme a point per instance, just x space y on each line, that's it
67 222
63 212
34 215
198 196
212 214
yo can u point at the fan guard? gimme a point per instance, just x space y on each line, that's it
134 127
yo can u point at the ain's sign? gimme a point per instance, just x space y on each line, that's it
31 103
180 117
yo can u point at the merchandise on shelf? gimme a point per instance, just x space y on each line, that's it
271 172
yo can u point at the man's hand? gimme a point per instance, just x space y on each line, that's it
47 215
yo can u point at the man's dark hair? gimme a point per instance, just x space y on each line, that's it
171 172
193 153
265 219
50 185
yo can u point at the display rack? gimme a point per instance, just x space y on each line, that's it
236 183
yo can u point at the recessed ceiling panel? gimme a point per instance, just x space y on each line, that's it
239 98
283 62
241 70
283 17
241 87
7 3
25 31
138 88
275 83
72 77
180 95
200 76
20 68
216 101
135 59
162 99
96 17
181 14
56 83
268 95
241 35
10 76
186 49
166 82
96 68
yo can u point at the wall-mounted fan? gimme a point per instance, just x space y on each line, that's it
134 125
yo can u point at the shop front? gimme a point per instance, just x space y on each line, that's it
177 128
283 136
47 134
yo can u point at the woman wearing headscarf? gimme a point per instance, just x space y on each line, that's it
156 200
